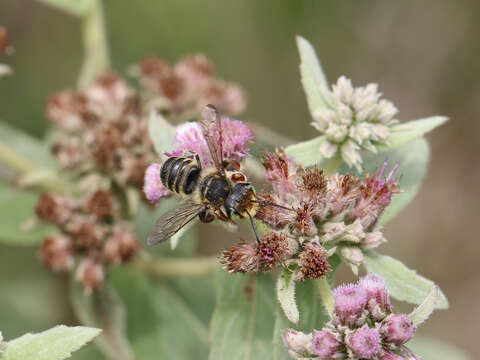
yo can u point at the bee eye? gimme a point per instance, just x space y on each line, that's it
238 177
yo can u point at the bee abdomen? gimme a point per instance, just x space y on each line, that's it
180 174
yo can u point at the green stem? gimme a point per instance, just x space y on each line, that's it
96 57
171 267
332 165
325 294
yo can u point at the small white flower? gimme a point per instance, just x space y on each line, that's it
356 119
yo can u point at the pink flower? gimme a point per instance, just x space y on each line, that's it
153 187
325 344
364 342
377 294
350 301
235 138
397 329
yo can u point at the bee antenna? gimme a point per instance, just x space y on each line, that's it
254 227
267 203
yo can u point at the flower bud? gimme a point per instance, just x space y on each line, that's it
297 342
397 329
90 274
352 254
325 344
350 301
364 342
373 240
378 303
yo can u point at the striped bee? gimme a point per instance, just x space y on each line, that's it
221 191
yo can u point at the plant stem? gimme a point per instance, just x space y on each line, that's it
332 165
96 57
171 267
325 294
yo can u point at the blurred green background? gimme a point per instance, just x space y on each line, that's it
424 55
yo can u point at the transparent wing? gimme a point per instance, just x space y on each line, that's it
209 120
172 221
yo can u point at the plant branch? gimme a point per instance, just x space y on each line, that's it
171 267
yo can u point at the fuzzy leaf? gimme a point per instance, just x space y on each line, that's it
32 150
403 283
20 205
161 133
423 311
405 132
103 309
73 7
314 80
307 152
433 349
55 344
169 319
286 297
247 321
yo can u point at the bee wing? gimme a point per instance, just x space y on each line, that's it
172 221
209 120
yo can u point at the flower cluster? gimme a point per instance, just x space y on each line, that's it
90 232
4 69
183 90
189 138
355 119
339 212
362 327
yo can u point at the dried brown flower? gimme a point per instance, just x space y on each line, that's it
313 261
121 246
53 208
240 258
100 204
57 253
90 274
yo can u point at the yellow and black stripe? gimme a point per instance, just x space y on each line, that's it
180 174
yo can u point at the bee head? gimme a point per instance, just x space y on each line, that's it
240 202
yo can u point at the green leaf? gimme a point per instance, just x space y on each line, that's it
168 319
103 308
30 149
307 152
403 283
413 160
247 321
72 7
405 132
96 58
20 205
423 311
286 297
313 79
433 349
55 344
161 133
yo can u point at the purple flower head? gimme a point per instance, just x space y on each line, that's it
153 187
388 355
364 342
235 138
377 295
350 301
397 329
325 344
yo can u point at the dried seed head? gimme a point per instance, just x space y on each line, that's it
90 274
272 250
57 253
364 342
281 172
68 110
85 234
313 181
107 142
342 192
100 204
350 302
326 345
121 246
52 208
313 261
397 329
276 217
240 258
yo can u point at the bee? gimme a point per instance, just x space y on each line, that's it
221 191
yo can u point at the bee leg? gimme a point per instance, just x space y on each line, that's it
206 216
253 227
